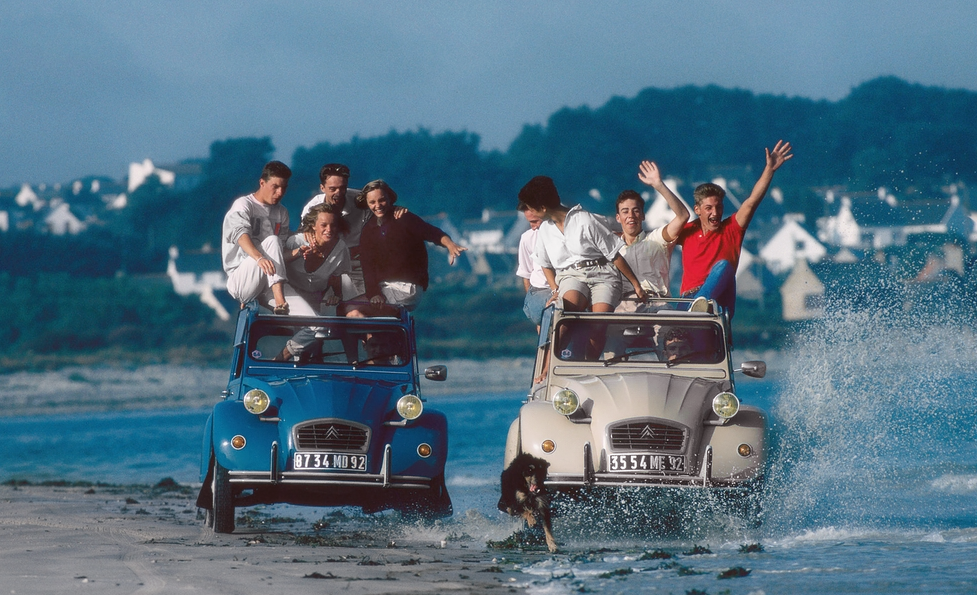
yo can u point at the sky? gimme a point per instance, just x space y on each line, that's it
88 86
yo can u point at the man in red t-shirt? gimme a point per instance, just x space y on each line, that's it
711 245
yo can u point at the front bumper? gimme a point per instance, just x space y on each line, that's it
276 477
591 478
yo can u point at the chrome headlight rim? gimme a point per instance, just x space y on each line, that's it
566 402
725 405
256 401
410 407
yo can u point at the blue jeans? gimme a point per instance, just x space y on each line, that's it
534 303
720 285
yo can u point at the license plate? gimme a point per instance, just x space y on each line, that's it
329 460
646 463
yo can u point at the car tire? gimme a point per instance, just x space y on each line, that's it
222 510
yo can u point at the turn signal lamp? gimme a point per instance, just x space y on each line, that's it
410 407
256 401
566 402
238 442
744 450
548 446
725 405
424 450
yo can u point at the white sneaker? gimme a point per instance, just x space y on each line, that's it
700 304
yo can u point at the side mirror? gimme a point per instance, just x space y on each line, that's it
438 373
754 369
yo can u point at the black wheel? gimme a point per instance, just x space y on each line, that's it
222 511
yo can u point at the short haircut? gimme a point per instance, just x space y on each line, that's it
375 185
629 195
275 169
333 169
539 192
703 191
308 222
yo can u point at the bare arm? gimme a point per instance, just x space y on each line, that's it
454 250
776 158
623 266
650 175
264 263
550 274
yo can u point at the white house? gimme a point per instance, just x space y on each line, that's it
138 172
201 275
61 221
802 293
790 243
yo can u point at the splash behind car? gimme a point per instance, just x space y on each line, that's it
643 399
324 411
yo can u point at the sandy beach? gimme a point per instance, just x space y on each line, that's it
111 539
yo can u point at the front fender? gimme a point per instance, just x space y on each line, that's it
748 427
431 428
539 421
230 418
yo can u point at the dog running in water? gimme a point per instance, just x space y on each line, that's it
524 494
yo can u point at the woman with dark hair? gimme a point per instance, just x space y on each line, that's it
393 254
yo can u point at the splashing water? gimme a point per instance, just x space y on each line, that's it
875 416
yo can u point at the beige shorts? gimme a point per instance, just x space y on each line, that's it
402 293
600 284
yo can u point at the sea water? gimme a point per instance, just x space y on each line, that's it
871 487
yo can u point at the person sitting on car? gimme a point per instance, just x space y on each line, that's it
393 254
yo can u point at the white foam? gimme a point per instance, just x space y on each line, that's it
955 484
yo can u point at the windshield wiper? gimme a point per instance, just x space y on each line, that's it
626 356
684 359
376 357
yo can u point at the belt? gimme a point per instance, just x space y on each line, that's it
583 264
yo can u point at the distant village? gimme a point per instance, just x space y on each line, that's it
929 242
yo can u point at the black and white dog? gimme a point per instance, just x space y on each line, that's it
524 494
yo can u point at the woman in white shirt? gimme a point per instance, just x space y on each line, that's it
579 254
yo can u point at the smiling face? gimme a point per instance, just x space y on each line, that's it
378 202
630 216
335 190
710 212
326 228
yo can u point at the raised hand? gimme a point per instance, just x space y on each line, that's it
649 174
780 154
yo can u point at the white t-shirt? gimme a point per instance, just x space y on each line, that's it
649 257
249 216
528 269
336 263
585 236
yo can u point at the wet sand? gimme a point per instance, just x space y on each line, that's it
141 539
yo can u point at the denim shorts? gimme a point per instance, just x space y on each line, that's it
600 284
535 302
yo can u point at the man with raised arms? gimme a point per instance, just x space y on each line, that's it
711 245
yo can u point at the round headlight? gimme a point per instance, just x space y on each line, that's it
256 401
725 405
410 407
565 402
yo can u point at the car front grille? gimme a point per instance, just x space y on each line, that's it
647 435
332 435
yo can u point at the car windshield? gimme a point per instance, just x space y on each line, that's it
639 341
338 343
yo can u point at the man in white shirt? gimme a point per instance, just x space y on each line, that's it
254 230
533 279
648 254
